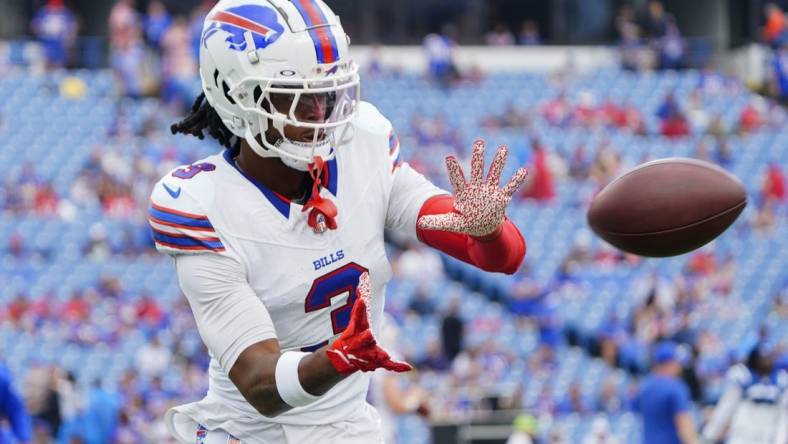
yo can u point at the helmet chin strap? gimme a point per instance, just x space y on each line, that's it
323 214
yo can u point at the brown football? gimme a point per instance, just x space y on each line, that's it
667 207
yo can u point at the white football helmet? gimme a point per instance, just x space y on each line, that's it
272 63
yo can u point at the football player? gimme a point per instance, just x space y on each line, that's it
278 240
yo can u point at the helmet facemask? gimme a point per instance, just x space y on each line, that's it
320 110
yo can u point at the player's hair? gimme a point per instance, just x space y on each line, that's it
204 117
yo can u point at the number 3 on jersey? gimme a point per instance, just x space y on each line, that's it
341 281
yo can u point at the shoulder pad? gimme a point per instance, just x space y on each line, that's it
370 120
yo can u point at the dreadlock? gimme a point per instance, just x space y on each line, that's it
202 117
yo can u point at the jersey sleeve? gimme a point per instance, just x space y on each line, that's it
179 224
409 190
229 315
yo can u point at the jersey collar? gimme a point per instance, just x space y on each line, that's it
279 202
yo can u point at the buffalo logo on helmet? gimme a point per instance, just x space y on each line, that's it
260 21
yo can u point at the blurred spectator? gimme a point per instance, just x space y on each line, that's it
42 397
656 20
420 265
156 22
153 358
434 358
439 50
663 401
529 34
124 24
673 122
669 106
500 36
717 127
752 407
764 220
775 28
540 185
609 401
779 72
585 112
696 112
72 404
600 433
722 152
127 62
630 46
524 430
452 330
574 402
579 164
510 118
752 116
196 21
557 111
389 392
773 184
12 412
606 165
179 67
56 28
421 303
670 46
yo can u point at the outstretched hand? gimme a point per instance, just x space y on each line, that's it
357 348
479 205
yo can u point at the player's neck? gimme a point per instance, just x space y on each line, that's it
271 172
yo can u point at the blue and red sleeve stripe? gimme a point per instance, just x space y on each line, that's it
186 242
316 23
179 219
180 230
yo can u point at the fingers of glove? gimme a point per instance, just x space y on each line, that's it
358 318
515 182
363 290
397 366
443 222
477 162
496 168
456 177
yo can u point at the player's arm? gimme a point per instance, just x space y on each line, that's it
471 225
403 402
239 332
720 418
682 416
685 426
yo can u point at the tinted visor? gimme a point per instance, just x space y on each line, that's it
333 105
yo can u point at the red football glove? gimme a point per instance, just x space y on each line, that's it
356 348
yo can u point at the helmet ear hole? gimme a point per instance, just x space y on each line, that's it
226 90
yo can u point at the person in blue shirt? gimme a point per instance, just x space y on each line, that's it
56 28
12 411
663 401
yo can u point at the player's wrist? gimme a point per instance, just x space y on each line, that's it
340 362
288 381
493 235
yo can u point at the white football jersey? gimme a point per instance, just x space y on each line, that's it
753 409
304 280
